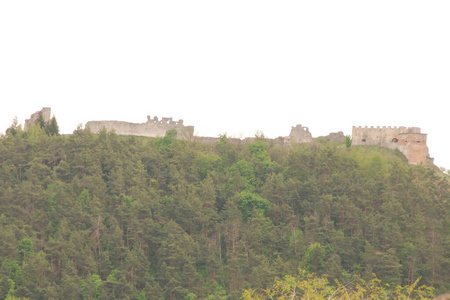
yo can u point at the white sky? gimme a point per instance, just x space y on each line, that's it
231 66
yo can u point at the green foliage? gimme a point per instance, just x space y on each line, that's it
218 292
26 248
190 296
112 277
105 216
141 296
314 258
14 129
309 286
91 288
51 127
12 286
250 201
168 140
348 141
11 297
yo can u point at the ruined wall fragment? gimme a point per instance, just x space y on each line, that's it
45 112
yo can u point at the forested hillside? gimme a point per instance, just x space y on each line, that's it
88 216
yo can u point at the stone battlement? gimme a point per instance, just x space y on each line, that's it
164 121
401 129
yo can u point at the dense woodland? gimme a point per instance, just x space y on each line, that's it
102 216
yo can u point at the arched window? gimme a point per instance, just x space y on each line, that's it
395 140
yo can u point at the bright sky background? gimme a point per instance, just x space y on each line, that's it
231 66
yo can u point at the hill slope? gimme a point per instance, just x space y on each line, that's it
103 216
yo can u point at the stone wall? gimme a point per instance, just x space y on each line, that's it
408 140
45 112
152 128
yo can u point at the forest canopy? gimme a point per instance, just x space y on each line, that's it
102 216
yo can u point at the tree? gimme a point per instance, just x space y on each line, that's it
314 258
26 248
91 287
168 140
250 201
15 128
50 127
309 286
90 214
348 141
53 128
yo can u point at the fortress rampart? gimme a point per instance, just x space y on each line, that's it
408 140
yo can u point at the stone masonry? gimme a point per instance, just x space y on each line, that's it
152 128
408 140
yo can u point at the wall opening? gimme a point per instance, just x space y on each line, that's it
395 140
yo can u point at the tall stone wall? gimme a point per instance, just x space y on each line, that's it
45 112
152 128
408 140
414 147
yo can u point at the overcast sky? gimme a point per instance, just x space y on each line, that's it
231 67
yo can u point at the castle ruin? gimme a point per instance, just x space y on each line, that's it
45 112
152 128
408 140
300 134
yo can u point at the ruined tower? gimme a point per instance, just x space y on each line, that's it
300 134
